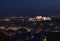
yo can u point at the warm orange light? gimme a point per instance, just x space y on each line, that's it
39 17
44 38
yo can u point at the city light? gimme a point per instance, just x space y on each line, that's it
30 28
46 18
7 20
39 17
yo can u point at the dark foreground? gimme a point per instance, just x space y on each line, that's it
51 36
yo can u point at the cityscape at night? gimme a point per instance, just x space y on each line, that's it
29 20
36 28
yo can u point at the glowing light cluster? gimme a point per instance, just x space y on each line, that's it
39 17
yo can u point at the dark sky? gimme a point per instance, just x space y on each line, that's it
29 7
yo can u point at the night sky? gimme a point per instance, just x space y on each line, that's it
29 7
